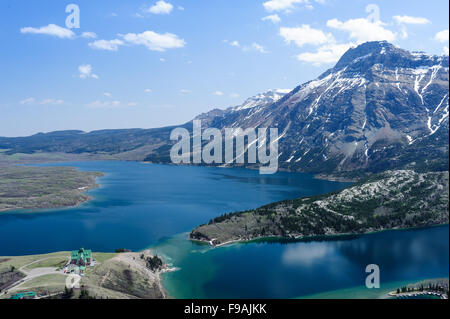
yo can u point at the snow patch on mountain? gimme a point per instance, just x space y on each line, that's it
267 97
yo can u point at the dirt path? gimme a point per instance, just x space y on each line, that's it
104 278
136 263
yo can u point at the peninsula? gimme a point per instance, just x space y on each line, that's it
390 200
44 187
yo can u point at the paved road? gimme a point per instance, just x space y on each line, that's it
33 273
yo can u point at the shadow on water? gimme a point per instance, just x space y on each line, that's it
308 239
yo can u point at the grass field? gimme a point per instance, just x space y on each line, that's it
20 261
55 262
45 284
114 275
43 187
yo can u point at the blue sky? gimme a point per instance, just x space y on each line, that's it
155 63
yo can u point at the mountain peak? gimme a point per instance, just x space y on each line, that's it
365 55
267 97
366 50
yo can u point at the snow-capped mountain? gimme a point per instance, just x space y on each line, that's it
379 106
258 101
268 97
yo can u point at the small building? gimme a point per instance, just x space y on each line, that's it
24 295
81 257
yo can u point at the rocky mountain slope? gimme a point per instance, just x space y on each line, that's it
393 199
380 107
261 100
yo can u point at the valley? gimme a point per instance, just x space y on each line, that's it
377 119
380 107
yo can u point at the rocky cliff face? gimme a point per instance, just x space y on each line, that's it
374 109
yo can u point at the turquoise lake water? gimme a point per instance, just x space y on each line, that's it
145 205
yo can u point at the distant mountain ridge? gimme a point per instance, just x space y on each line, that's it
380 107
268 97
258 101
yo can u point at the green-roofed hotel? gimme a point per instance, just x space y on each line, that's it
81 257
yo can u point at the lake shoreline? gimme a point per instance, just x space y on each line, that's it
37 210
34 210
129 192
82 191
319 176
329 237
386 290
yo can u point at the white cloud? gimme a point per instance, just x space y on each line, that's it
305 35
148 91
274 18
403 32
104 104
52 102
107 94
110 104
185 91
152 40
404 20
359 30
180 8
252 47
49 101
234 43
161 7
258 47
52 30
234 95
363 30
155 41
28 101
218 93
108 45
162 60
86 72
442 36
283 5
329 53
89 35
410 20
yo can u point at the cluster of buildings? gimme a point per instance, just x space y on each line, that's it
79 260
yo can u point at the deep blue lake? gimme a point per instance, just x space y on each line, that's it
145 205
290 270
